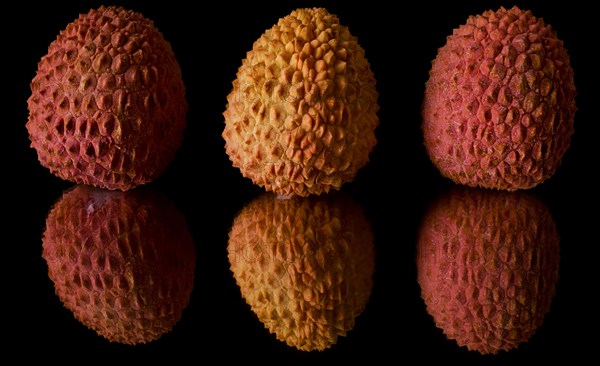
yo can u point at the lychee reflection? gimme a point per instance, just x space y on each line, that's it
304 265
122 262
488 266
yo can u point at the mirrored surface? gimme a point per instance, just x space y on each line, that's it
122 262
304 265
487 265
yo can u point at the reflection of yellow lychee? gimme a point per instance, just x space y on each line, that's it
122 262
488 267
301 117
107 105
499 104
304 265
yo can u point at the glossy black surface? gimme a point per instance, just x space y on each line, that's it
394 189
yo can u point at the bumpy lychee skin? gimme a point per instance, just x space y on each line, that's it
122 262
500 102
304 265
488 267
302 114
107 105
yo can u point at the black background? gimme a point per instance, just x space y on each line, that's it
394 188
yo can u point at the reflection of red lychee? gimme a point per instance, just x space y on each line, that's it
107 106
302 114
304 265
500 101
122 262
488 267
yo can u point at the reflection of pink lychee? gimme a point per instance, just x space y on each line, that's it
122 262
107 105
304 265
488 267
500 102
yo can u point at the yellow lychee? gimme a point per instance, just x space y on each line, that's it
302 114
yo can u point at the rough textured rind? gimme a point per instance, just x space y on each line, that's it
302 114
500 102
304 265
107 105
122 262
488 267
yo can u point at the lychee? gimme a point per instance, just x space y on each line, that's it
499 104
488 266
304 265
302 114
122 262
107 105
